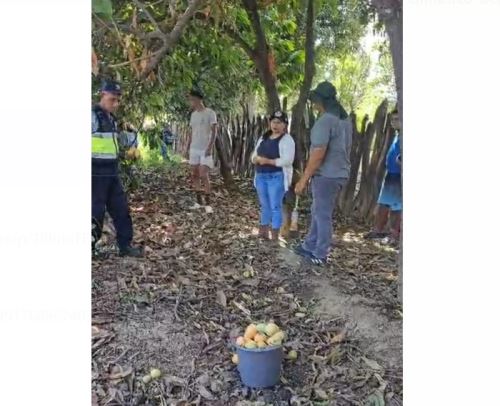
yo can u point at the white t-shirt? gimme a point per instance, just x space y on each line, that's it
201 126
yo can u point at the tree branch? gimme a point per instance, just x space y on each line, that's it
239 39
309 67
253 14
172 38
117 65
148 15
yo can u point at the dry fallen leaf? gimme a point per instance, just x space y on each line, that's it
221 298
372 364
339 337
120 373
205 393
321 394
242 308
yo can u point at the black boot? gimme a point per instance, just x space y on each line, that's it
207 199
131 251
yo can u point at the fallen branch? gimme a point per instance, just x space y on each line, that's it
177 301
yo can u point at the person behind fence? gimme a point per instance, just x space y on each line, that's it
107 189
166 141
203 125
273 158
390 202
328 169
131 138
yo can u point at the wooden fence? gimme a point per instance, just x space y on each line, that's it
238 135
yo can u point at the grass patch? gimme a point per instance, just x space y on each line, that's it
152 158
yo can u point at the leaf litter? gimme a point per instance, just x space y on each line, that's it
206 276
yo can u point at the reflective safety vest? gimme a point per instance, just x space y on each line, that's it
104 145
105 136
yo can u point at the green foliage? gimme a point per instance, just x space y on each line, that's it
207 57
103 8
350 77
203 58
363 78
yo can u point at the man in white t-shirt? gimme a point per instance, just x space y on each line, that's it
203 129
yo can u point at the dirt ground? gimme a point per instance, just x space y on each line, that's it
205 277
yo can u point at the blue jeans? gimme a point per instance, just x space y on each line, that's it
324 191
271 190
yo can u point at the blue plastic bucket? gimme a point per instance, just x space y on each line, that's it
260 368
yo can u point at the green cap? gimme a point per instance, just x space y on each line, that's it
324 91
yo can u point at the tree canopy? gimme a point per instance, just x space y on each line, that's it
231 50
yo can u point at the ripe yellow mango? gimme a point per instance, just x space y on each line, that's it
250 345
276 339
250 332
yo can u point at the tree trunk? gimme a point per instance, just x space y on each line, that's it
298 125
347 195
261 56
225 167
390 12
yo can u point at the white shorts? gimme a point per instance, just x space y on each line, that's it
197 157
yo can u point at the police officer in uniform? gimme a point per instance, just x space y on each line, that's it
107 190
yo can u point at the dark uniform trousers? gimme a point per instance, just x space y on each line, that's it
108 193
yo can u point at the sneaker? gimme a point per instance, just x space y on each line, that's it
131 252
317 261
391 242
209 210
98 254
301 251
375 235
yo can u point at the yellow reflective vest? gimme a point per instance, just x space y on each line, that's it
104 145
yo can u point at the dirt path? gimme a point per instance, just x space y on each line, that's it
205 277
380 335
